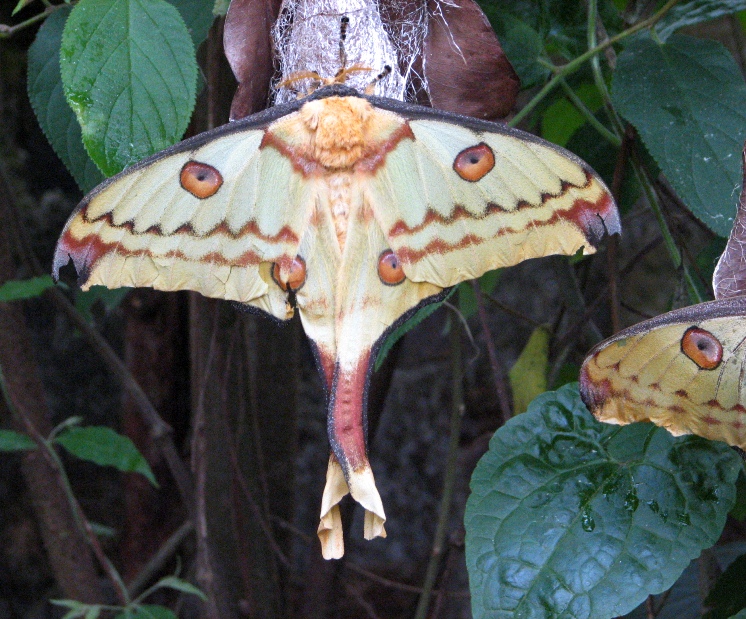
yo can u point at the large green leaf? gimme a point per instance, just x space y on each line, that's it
694 12
572 518
105 447
55 116
129 73
686 99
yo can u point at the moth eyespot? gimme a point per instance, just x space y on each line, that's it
200 179
702 347
389 268
296 277
473 163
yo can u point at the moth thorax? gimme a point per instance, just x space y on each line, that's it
338 127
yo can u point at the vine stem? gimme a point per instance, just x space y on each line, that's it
576 63
497 370
449 479
8 31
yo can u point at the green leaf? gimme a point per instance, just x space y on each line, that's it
739 615
129 73
528 376
467 300
105 447
220 7
561 119
17 289
694 12
405 327
739 509
686 99
728 596
198 17
572 518
77 609
521 44
93 612
146 612
15 441
56 118
172 582
109 298
21 4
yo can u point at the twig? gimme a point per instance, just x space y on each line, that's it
158 560
576 63
589 116
513 312
449 479
8 31
497 371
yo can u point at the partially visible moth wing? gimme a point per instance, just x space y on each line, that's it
211 214
684 371
468 196
729 278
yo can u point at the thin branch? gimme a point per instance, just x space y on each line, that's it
160 558
498 374
8 31
575 64
589 116
449 479
513 312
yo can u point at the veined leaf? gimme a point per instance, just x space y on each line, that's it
105 447
695 12
686 99
55 116
575 519
129 73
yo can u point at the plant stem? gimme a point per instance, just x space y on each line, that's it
576 63
589 116
8 31
497 371
449 479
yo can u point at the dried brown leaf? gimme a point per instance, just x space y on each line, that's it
248 47
466 69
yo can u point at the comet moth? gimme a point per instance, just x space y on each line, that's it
684 370
351 210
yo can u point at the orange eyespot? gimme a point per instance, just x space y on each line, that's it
474 162
296 277
200 179
389 268
702 347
